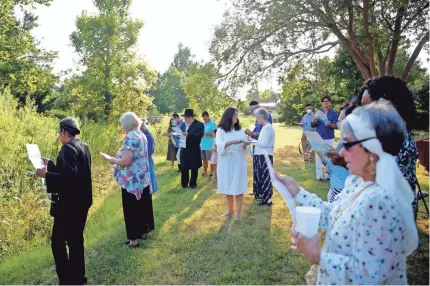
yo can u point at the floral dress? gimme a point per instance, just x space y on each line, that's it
135 177
364 242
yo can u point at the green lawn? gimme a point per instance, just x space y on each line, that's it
192 244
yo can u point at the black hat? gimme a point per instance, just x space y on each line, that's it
253 103
188 113
70 124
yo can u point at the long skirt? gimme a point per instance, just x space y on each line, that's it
262 187
138 214
152 175
171 151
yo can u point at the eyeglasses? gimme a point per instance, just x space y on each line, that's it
349 145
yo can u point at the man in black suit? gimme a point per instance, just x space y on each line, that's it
70 180
190 156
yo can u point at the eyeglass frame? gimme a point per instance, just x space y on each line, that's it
349 145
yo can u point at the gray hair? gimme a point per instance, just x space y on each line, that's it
389 126
130 121
263 113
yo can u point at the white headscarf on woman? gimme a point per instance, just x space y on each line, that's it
388 176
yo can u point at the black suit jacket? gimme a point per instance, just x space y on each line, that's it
190 156
70 178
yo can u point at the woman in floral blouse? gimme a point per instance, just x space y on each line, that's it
132 174
370 230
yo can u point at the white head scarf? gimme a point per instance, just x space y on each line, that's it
388 176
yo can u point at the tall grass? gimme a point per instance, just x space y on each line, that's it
24 206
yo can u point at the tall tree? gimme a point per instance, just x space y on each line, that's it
25 68
259 36
112 74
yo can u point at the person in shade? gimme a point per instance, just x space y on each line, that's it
370 228
325 126
70 180
306 124
207 143
262 185
173 143
190 156
132 174
232 169
151 147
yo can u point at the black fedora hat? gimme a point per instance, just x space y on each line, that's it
188 113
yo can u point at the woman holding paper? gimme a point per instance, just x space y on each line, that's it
231 168
132 174
370 229
263 189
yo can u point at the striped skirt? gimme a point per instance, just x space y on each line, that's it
262 187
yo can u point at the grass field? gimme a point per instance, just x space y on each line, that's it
191 243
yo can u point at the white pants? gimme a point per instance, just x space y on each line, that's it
318 161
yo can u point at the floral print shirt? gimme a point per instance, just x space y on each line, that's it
135 177
364 240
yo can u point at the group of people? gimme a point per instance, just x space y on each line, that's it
369 223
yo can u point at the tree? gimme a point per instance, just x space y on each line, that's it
183 59
265 95
25 68
259 36
203 93
112 73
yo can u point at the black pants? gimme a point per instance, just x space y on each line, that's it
185 178
138 214
69 230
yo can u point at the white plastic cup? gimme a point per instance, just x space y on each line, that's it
307 221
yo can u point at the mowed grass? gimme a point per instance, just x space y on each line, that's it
192 244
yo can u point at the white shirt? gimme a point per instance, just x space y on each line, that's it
266 140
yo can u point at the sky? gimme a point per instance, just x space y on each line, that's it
166 24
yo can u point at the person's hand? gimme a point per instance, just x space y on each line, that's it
288 182
309 247
335 158
41 172
185 134
45 161
112 161
248 132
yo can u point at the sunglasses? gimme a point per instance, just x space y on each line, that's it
349 145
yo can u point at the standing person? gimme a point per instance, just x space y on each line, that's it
254 105
207 142
397 92
151 148
132 174
262 186
175 121
306 124
369 228
231 168
190 156
70 178
214 158
325 127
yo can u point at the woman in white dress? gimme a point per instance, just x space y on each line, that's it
232 169
370 227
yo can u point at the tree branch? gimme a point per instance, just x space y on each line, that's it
419 11
396 37
368 37
414 55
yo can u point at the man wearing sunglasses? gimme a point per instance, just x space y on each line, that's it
325 126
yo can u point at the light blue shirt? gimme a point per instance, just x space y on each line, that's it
307 122
208 141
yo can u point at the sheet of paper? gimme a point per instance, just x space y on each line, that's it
282 189
177 133
177 129
321 115
34 155
317 143
108 157
182 141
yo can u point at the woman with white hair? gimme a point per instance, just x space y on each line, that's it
132 174
370 229
262 187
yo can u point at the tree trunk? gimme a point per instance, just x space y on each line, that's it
414 56
396 37
368 37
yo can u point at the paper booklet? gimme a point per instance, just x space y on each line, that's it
321 115
34 155
282 189
108 157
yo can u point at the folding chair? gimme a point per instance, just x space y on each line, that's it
421 196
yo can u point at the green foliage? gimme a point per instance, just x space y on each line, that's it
202 92
25 68
114 79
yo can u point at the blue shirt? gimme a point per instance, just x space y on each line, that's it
307 122
176 138
208 141
324 131
259 126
